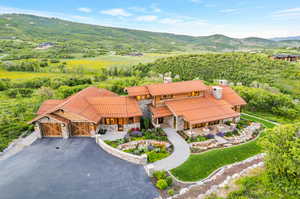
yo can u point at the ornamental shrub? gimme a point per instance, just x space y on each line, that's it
161 184
170 192
169 180
160 174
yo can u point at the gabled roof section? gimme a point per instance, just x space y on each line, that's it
176 87
230 96
201 109
47 105
78 104
137 91
161 111
118 107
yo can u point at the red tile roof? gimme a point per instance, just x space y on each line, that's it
48 104
117 107
167 88
176 87
229 95
78 104
161 111
201 109
137 91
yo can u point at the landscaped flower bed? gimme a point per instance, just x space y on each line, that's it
165 184
152 142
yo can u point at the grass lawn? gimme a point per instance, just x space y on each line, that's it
200 166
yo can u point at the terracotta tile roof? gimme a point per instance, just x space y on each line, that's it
118 107
47 105
70 116
232 97
137 91
167 88
201 109
161 111
59 118
176 87
78 104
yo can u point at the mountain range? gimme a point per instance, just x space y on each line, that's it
41 29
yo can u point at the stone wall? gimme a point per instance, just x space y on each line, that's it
120 154
143 143
180 124
169 121
114 127
127 127
144 107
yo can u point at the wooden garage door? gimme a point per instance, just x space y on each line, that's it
81 128
51 129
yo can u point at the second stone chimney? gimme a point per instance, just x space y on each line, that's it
217 92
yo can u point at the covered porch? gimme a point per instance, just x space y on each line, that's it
213 127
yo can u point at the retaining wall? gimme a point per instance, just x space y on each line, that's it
121 154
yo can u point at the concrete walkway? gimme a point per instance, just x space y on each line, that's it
180 154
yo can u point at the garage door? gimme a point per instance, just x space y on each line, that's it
81 128
51 129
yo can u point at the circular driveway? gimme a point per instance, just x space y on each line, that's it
75 168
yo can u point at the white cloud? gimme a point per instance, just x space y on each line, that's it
116 12
230 10
291 12
197 1
86 10
137 9
147 18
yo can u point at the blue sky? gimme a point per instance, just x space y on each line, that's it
243 18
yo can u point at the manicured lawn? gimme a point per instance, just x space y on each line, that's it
200 166
267 124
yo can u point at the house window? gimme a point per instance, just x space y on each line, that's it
163 97
160 120
109 121
130 120
194 93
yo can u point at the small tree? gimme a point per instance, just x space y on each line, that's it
282 146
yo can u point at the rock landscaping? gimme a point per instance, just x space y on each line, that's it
219 179
220 140
152 142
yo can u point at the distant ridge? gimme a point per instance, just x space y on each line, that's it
286 38
42 29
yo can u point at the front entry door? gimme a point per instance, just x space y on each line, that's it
120 127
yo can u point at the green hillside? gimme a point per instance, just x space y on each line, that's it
249 69
40 29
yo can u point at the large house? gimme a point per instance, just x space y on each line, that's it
187 105
179 105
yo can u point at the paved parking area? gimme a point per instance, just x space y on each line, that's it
74 168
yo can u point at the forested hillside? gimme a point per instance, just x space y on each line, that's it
248 69
40 29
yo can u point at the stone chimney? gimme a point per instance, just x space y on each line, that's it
217 92
223 82
167 79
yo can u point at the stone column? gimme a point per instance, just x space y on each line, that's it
65 130
38 130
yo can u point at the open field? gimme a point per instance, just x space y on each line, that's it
26 75
114 60
200 166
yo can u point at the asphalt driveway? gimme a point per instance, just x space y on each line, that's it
75 168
